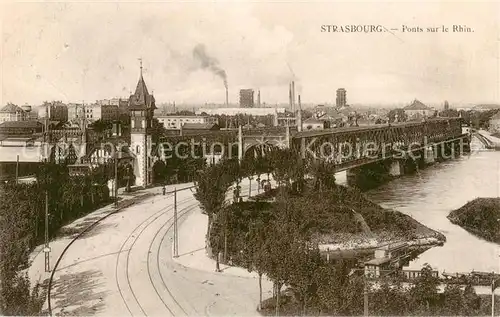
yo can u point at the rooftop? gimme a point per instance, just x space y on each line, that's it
417 105
11 108
21 124
313 120
378 261
199 126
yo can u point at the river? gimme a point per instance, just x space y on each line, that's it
432 193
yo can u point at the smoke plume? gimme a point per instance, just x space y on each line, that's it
208 62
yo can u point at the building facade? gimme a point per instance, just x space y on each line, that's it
75 111
53 111
341 100
246 98
106 112
175 122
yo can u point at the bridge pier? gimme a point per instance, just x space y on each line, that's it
372 175
396 168
429 155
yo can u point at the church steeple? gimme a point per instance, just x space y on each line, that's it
141 98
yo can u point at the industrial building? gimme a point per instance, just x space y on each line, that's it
246 98
341 98
175 122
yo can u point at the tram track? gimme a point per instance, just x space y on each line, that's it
154 217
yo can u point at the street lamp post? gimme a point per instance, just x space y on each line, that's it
116 179
46 249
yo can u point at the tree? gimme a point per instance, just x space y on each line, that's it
453 301
211 187
100 126
323 173
424 293
397 115
305 263
255 251
471 302
388 300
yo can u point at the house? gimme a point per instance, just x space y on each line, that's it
313 124
386 257
376 267
11 112
495 123
417 110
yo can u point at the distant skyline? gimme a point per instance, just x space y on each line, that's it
88 51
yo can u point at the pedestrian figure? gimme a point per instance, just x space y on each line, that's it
164 190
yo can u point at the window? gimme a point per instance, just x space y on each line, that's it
138 149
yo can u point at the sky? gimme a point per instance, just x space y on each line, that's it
78 51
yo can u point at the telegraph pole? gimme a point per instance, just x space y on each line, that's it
493 298
176 234
365 297
17 169
46 249
116 179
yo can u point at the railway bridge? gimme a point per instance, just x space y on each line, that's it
396 147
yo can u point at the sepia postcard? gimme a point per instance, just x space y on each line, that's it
250 158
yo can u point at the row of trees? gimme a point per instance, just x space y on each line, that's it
22 215
276 240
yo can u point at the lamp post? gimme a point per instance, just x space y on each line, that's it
46 249
116 179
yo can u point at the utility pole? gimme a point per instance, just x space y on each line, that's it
46 249
365 297
116 179
176 234
225 236
17 169
493 298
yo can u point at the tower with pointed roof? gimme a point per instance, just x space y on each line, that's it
141 105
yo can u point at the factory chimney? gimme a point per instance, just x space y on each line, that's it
290 95
299 116
258 99
293 96
227 97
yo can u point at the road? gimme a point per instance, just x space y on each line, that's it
124 266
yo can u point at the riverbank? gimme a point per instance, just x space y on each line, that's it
480 217
380 226
343 219
429 195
